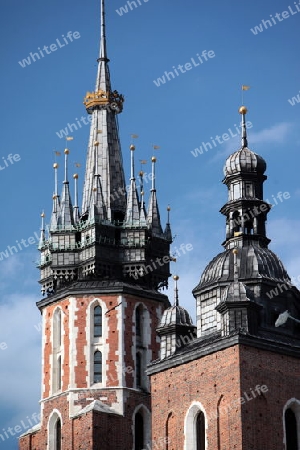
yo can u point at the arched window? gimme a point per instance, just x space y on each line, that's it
200 431
54 431
97 321
291 430
139 432
97 367
57 433
138 370
195 428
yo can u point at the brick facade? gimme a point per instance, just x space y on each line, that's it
239 415
110 422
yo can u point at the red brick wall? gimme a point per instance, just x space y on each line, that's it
205 380
263 417
218 381
94 430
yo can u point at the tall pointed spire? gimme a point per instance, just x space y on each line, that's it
153 217
66 208
54 222
104 104
168 232
76 207
132 210
142 203
42 237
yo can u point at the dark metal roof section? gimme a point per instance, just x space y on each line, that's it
254 262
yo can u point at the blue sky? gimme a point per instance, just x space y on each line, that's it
40 99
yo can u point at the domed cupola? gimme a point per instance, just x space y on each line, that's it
258 270
176 327
244 160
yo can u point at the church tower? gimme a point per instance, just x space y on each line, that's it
101 270
236 385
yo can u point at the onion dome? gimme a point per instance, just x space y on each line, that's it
244 160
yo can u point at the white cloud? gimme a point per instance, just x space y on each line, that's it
20 378
276 134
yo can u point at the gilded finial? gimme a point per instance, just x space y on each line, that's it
132 147
75 176
176 277
243 110
42 214
141 173
66 151
55 166
235 251
168 208
153 159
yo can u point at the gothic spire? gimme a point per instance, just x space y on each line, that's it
76 207
104 104
54 222
153 217
42 237
142 203
132 210
168 232
66 208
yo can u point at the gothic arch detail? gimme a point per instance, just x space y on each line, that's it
291 424
55 431
195 428
141 427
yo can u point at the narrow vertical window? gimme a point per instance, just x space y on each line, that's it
200 431
97 321
58 435
291 430
57 350
97 367
138 327
57 329
58 384
139 432
138 370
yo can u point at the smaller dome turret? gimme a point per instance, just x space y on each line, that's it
176 315
176 327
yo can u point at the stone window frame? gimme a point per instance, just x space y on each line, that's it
96 343
294 405
51 431
190 437
144 411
